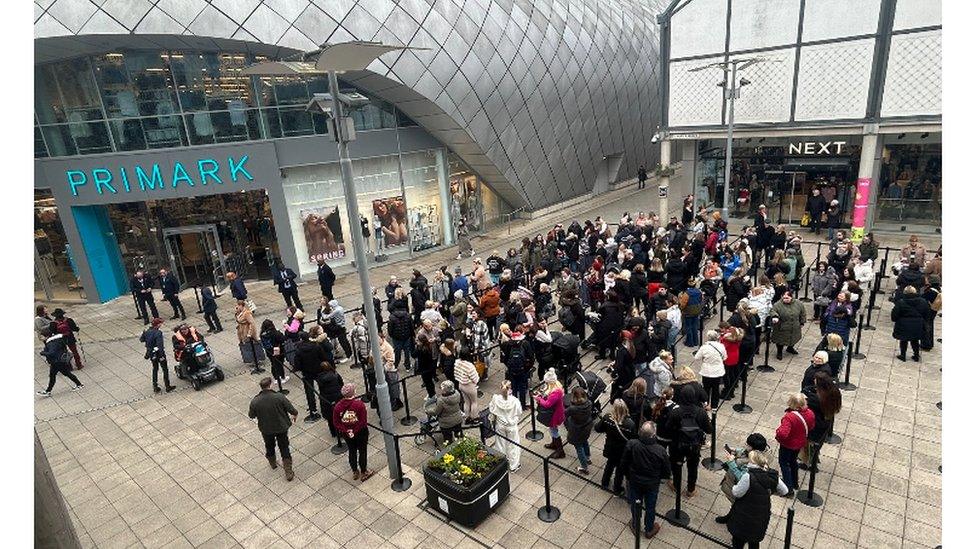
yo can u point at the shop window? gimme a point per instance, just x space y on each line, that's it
212 81
66 92
40 149
425 211
465 194
910 182
295 121
55 272
136 84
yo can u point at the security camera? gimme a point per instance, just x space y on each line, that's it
744 81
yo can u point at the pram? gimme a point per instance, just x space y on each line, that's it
594 387
428 426
198 365
709 289
592 320
566 355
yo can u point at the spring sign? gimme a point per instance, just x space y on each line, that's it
206 171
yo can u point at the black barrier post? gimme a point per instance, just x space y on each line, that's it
366 394
868 326
806 288
884 263
721 311
857 345
808 497
742 407
400 483
548 512
138 311
712 463
676 515
765 367
817 261
635 524
254 356
197 296
847 385
876 290
832 437
534 434
938 404
789 528
407 419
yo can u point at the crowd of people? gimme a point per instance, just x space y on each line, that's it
644 287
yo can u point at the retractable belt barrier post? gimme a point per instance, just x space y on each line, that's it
817 261
676 515
636 522
721 310
408 419
711 462
809 497
765 367
534 434
847 385
789 528
806 287
196 294
400 483
742 407
548 512
871 300
857 344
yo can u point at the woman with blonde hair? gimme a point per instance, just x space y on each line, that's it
792 434
619 428
507 411
687 388
552 412
635 397
836 352
467 382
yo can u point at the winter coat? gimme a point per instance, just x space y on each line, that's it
330 385
909 315
447 410
490 303
623 368
663 375
271 409
440 291
400 325
553 400
507 411
675 275
731 350
579 315
356 408
811 371
738 288
308 359
823 284
789 329
617 435
645 462
246 329
579 422
209 302
712 355
750 513
837 320
611 320
54 350
688 393
791 433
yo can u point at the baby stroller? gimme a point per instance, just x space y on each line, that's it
592 320
594 387
198 365
709 289
566 355
428 426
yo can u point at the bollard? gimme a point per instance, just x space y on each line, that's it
676 515
806 288
400 483
197 296
789 528
548 512
832 438
407 419
857 340
809 497
534 434
742 407
712 463
765 367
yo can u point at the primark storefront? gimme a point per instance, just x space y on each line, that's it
173 159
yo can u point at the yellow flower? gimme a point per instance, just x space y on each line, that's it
465 470
448 458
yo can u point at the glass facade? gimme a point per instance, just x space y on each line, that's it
465 194
55 273
141 100
911 183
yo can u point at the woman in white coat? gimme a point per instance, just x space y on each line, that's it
711 355
507 410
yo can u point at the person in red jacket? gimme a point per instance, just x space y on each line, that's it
349 418
792 434
730 338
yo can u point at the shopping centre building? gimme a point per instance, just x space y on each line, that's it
845 97
153 150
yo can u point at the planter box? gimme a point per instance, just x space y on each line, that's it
467 506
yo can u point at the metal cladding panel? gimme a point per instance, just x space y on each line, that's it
541 66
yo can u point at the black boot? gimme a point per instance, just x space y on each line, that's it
791 350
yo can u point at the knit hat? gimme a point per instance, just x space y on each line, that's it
348 390
550 376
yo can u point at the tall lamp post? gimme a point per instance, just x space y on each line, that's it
331 59
731 89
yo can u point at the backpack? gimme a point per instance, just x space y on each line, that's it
62 326
936 304
690 436
566 317
516 360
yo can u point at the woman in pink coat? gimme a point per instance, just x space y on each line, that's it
550 401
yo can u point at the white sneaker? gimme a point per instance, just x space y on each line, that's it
44 393
343 361
472 253
458 256
77 387
285 380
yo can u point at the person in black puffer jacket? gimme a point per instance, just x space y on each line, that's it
690 424
400 329
309 357
645 463
330 392
619 429
909 316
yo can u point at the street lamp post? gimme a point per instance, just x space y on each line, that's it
331 59
731 87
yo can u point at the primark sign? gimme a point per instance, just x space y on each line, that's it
205 171
817 148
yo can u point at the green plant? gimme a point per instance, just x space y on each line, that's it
465 462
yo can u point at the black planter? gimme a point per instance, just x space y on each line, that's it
467 505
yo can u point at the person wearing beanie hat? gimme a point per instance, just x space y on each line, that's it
156 354
272 410
552 413
735 467
349 418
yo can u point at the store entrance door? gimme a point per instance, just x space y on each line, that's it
789 188
195 256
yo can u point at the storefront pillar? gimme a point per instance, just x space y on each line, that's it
444 185
97 238
866 195
664 181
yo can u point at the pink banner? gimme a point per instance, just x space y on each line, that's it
860 214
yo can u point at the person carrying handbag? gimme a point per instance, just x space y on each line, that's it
618 428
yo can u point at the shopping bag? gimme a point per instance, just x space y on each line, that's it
805 220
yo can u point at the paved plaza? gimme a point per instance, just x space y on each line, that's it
186 469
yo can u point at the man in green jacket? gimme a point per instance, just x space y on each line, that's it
272 410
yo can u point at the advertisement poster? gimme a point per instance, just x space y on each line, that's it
860 216
323 233
390 221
